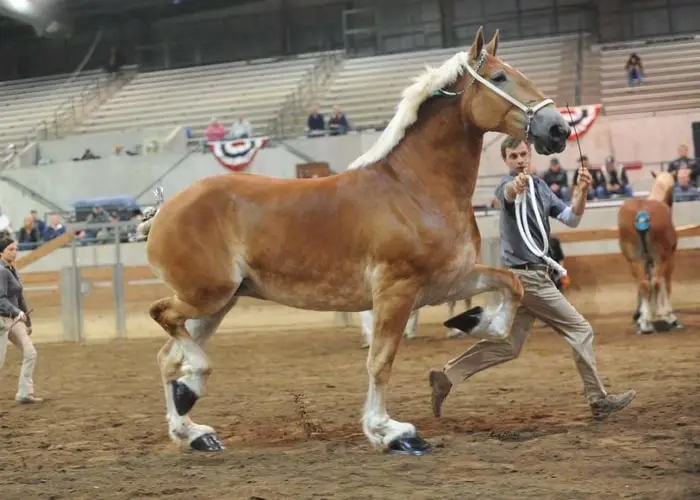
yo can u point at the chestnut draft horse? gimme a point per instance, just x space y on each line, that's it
648 241
392 234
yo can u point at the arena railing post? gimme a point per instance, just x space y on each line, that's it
71 298
118 287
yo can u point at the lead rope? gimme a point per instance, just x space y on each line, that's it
524 228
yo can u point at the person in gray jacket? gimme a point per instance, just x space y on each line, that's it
15 324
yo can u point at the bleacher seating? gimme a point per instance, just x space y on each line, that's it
191 97
368 88
671 78
25 103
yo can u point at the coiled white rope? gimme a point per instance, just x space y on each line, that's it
524 228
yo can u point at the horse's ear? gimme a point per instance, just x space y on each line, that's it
478 44
653 174
492 47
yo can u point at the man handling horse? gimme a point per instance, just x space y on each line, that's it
541 299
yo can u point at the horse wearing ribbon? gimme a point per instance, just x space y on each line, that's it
648 242
392 234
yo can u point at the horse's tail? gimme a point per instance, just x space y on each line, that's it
642 224
148 216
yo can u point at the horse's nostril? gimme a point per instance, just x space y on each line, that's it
559 131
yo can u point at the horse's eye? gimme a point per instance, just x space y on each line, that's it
499 77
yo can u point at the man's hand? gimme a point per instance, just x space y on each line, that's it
554 187
21 316
520 183
584 179
517 186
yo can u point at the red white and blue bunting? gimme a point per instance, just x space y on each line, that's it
581 117
237 154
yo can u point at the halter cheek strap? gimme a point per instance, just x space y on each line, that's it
530 111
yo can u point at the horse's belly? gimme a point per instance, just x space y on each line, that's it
312 293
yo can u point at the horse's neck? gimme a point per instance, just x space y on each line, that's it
661 193
442 157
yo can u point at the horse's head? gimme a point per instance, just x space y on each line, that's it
502 99
662 189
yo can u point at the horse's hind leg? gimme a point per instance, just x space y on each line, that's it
454 332
663 274
643 315
496 319
184 353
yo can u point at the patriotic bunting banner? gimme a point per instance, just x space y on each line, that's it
237 154
581 117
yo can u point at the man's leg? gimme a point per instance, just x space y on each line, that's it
548 304
482 355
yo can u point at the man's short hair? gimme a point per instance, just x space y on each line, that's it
509 143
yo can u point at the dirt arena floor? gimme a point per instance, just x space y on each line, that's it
287 402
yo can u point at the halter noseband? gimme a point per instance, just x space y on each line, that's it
529 111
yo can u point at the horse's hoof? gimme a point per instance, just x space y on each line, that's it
466 321
207 442
677 325
645 331
184 397
414 445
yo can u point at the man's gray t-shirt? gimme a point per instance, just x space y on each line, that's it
513 249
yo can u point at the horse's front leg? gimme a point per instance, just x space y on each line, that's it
496 319
393 303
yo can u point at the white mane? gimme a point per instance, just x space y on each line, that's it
432 80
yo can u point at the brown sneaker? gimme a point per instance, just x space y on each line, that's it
29 399
440 385
604 407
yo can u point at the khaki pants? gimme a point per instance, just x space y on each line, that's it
543 301
19 337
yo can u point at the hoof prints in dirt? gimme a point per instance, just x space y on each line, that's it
312 428
524 434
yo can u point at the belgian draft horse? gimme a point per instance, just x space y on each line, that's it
648 241
392 234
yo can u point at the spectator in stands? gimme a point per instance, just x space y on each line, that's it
597 189
241 129
39 224
684 161
684 191
16 322
87 155
315 123
337 123
54 228
28 237
557 180
115 61
635 70
98 216
215 131
616 181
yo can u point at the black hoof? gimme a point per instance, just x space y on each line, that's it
677 325
466 321
415 446
183 397
207 442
